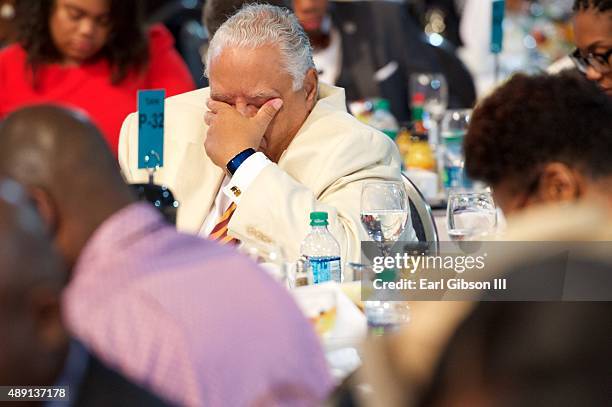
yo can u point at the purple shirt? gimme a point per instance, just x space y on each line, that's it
197 323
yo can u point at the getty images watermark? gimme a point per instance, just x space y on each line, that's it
412 263
495 271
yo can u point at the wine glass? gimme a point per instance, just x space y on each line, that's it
455 122
470 214
434 91
271 257
384 212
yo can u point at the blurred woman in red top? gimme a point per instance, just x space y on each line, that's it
90 54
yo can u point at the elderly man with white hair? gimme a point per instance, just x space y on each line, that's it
250 157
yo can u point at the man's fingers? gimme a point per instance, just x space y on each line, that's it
267 112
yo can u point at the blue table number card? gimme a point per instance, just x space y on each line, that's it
151 128
497 26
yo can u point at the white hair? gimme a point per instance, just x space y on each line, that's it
257 25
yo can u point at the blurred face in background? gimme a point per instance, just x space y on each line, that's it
593 33
310 13
80 28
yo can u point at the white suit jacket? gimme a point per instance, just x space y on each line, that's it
323 169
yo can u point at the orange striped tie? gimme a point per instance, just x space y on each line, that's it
219 232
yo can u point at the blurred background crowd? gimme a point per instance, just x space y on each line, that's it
537 33
373 49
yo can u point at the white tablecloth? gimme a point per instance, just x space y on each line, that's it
441 225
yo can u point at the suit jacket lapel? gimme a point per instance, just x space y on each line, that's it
199 181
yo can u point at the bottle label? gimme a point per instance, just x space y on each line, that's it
455 177
452 177
324 269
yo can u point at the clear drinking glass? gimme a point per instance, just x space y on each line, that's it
455 122
272 258
470 214
386 317
434 89
384 212
454 127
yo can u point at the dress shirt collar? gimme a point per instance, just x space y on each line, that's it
118 231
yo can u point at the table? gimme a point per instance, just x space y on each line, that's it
441 225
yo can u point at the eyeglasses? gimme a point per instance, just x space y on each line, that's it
599 62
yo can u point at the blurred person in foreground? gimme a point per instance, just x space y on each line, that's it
542 143
251 157
593 36
193 321
542 139
89 54
35 349
527 354
506 353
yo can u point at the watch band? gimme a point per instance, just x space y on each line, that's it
238 159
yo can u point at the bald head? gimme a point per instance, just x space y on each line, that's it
40 144
33 341
64 163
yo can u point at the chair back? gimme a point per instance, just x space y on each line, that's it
421 215
461 87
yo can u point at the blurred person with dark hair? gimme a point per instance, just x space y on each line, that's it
370 48
593 36
541 142
90 54
35 348
215 12
527 354
195 322
542 139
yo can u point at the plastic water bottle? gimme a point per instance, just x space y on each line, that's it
383 120
454 174
321 251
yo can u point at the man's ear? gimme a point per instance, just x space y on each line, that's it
46 207
311 87
44 306
560 183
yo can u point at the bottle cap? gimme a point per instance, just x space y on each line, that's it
455 136
318 219
418 98
382 104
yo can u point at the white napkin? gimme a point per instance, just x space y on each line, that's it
351 324
342 343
